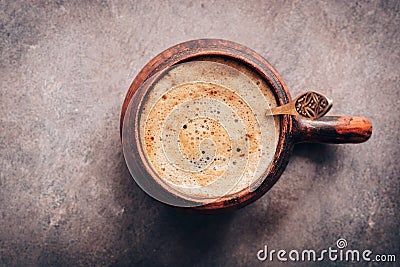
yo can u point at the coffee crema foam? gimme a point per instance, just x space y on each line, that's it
204 130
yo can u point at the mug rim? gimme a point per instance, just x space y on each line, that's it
193 49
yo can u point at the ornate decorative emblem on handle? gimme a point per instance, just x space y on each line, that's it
309 105
312 105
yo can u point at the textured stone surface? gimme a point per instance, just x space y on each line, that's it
66 197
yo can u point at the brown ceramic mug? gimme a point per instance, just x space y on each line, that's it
197 128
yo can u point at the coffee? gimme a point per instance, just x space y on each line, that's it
204 130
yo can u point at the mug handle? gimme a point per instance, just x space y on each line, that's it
332 129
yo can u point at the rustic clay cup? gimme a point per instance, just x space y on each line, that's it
293 129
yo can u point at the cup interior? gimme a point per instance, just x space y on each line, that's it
204 131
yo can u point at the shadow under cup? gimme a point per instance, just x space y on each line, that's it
197 129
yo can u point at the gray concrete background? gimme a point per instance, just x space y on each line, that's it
66 197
